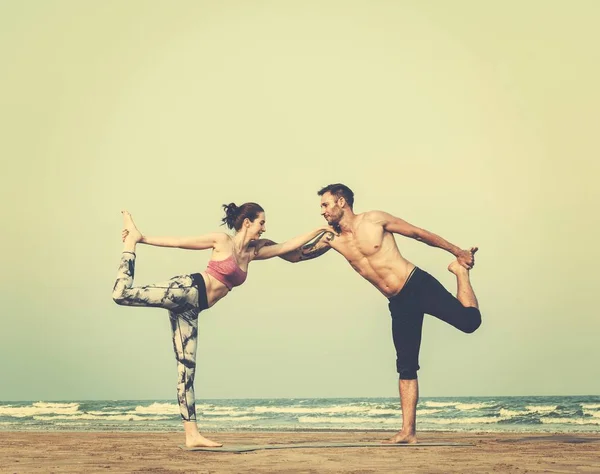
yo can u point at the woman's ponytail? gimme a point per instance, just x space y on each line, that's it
234 215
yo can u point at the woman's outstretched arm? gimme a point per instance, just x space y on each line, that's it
276 250
201 242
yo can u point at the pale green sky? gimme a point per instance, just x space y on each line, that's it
475 120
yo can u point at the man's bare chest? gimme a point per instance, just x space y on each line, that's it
362 243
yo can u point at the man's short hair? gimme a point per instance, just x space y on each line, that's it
339 190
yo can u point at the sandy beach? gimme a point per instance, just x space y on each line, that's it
32 452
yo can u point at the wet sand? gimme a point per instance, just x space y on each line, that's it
83 452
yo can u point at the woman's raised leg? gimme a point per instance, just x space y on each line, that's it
178 294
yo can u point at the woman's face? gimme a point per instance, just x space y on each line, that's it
257 227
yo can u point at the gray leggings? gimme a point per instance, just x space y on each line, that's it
184 296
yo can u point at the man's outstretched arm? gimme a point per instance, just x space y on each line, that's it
398 226
313 249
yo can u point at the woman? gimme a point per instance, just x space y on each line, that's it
187 295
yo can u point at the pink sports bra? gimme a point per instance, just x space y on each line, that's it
227 272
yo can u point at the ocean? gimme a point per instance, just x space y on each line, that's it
485 414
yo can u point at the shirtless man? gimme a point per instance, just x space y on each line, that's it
366 240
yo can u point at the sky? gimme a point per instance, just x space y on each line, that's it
474 120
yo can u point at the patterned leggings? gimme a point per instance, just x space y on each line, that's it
184 296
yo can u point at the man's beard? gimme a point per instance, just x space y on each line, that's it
335 222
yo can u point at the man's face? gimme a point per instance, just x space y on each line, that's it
330 209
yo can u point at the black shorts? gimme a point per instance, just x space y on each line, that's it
199 283
422 294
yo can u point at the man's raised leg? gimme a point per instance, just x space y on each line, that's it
464 292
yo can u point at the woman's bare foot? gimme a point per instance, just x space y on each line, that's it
199 441
193 438
402 438
130 235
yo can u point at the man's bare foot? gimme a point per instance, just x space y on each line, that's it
402 438
457 268
199 441
464 290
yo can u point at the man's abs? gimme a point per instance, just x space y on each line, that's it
386 268
389 277
374 255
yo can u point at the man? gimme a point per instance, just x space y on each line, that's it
366 240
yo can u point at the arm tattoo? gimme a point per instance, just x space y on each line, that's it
318 246
264 243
